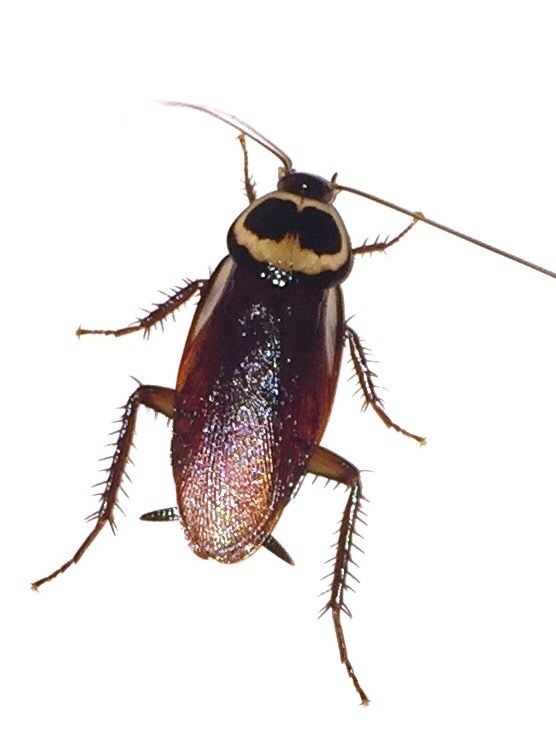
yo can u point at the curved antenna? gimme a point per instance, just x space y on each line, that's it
419 217
238 124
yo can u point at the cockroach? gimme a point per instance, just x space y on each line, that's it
258 375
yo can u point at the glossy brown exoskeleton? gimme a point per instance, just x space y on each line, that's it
257 379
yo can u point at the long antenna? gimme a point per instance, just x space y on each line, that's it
252 133
419 217
238 124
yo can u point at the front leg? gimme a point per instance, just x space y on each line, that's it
365 377
154 397
247 181
379 246
159 314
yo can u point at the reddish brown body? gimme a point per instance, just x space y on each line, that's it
257 378
254 392
256 384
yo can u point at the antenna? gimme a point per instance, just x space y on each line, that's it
252 133
419 217
238 124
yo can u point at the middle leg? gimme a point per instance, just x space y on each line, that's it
159 314
365 378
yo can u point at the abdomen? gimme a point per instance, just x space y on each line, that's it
255 388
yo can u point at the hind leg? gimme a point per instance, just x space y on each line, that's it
154 397
325 463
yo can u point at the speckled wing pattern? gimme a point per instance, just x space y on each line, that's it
238 451
226 495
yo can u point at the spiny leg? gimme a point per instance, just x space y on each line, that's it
248 182
381 246
158 314
154 397
326 463
365 378
172 514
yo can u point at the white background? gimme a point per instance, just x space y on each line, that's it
107 197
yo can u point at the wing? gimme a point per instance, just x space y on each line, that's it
255 388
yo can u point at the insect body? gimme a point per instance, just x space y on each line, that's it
257 380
